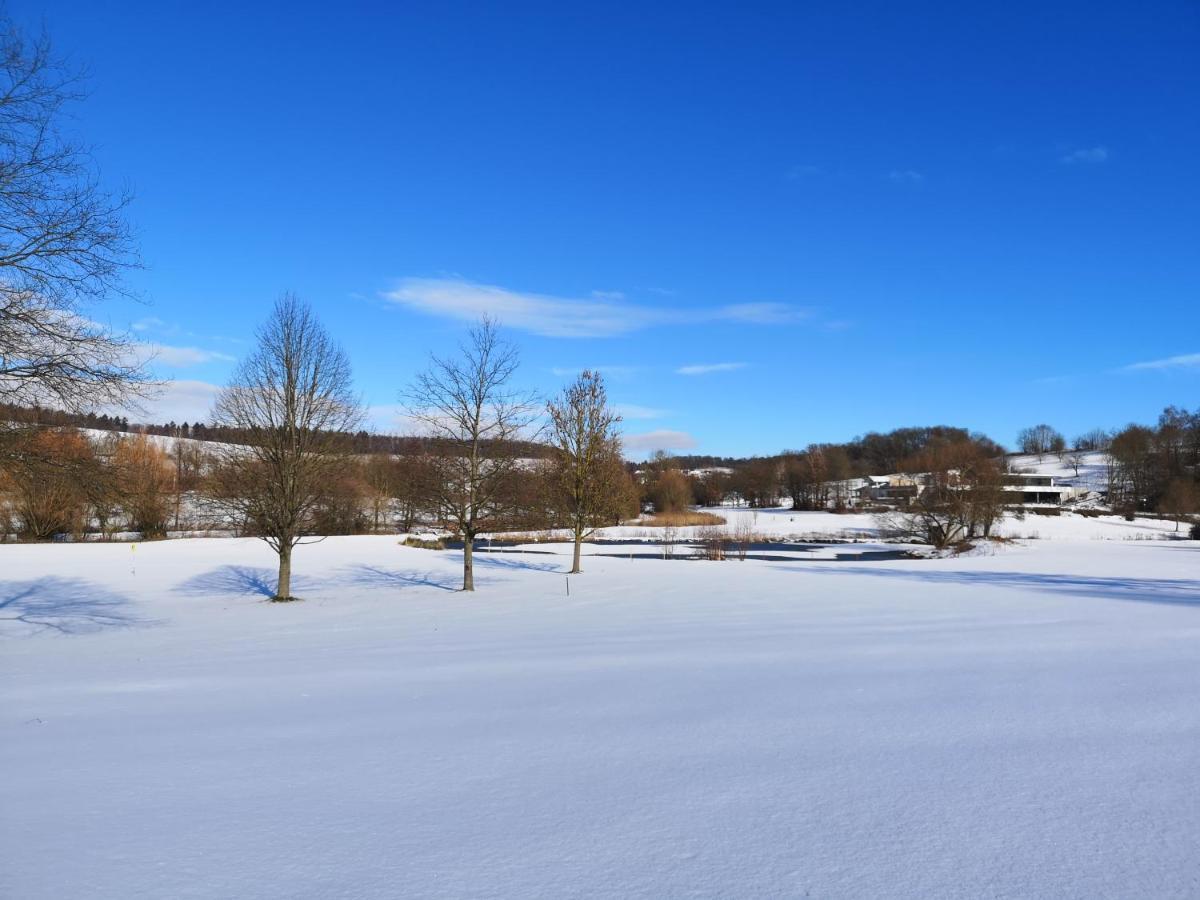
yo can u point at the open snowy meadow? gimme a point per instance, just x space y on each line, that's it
1024 723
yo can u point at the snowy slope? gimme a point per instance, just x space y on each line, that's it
1023 725
1093 469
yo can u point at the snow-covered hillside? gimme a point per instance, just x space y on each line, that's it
1092 473
1018 725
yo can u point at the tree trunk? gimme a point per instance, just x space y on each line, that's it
575 568
283 590
468 562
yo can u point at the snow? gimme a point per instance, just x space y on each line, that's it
1023 724
1093 468
788 524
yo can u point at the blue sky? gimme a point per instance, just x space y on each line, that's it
768 224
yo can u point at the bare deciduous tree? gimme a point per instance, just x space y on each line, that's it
293 399
64 241
1040 440
1180 500
587 469
477 421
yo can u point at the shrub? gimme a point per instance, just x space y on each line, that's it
47 479
422 544
712 542
144 478
682 519
1195 532
671 492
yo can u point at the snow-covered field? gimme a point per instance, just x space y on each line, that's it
1024 724
784 524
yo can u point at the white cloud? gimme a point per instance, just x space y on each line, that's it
537 313
148 324
181 401
390 418
629 411
1085 155
663 439
604 314
707 368
184 356
905 176
1187 361
763 313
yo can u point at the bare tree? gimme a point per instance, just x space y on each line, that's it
1075 459
1180 500
961 494
1041 439
477 421
587 469
63 242
293 399
1096 439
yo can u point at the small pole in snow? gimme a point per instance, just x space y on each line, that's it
568 577
133 559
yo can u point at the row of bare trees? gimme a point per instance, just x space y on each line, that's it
293 400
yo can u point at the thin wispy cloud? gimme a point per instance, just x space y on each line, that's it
603 314
663 439
1186 361
905 176
764 313
628 411
150 323
1085 155
182 357
709 368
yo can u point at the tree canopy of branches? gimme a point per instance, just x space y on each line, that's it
478 420
64 242
1040 440
1146 463
293 399
961 495
587 470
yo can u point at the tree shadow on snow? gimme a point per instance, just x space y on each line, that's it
239 580
375 576
1176 591
64 605
504 562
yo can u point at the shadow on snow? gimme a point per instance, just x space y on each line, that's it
1177 591
494 562
377 576
64 605
232 580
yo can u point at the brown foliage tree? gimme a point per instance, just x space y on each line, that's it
145 478
587 467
